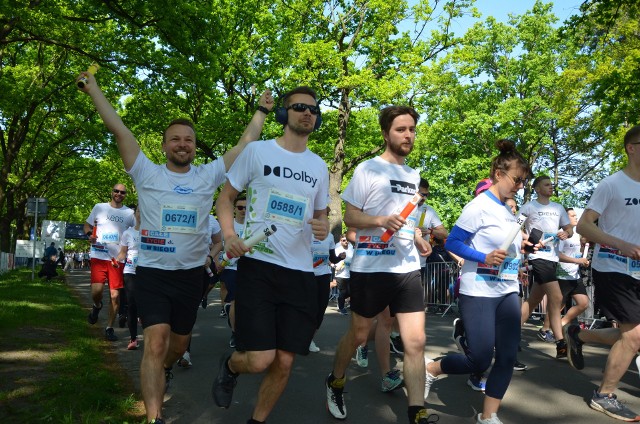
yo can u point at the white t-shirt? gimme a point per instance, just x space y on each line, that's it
429 219
214 228
112 222
284 188
617 201
489 222
320 252
380 188
131 239
571 248
342 267
174 210
549 219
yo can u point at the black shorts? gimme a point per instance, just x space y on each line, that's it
169 297
322 286
571 287
543 271
372 292
276 307
228 277
618 296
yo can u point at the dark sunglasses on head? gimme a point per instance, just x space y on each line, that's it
115 190
301 107
240 207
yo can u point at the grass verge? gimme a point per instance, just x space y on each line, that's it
53 368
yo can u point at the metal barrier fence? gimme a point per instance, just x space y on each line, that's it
439 280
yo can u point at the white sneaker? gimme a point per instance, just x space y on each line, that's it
313 347
638 362
362 356
185 361
493 420
428 379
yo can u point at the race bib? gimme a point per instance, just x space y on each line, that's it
408 230
286 208
509 269
109 237
179 218
633 268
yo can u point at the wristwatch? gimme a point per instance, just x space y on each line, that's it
263 109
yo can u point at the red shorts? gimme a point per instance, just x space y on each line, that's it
103 272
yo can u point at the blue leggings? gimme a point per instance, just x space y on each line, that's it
489 322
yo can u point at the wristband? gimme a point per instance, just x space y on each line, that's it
88 233
263 109
211 257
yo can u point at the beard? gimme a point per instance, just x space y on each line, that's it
300 128
399 149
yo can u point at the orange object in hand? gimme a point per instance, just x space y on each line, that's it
409 207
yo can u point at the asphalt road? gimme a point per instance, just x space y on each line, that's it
550 391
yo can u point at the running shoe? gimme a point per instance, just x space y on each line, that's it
461 344
574 345
223 313
423 417
492 420
458 329
313 347
168 376
362 356
519 366
391 381
396 344
157 421
335 398
638 362
546 336
610 405
93 315
232 340
343 311
561 349
477 382
428 379
133 344
110 334
204 303
224 384
185 361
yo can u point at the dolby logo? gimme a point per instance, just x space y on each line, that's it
288 173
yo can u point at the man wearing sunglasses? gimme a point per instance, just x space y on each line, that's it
175 199
112 219
276 307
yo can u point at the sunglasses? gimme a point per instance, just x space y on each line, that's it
301 107
240 207
123 192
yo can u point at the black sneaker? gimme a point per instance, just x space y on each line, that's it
458 329
561 349
223 313
232 340
110 334
204 302
519 366
168 376
93 315
157 421
574 345
396 345
224 384
610 405
122 321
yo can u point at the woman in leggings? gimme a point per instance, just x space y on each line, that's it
488 301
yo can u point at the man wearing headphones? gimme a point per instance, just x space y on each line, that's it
287 186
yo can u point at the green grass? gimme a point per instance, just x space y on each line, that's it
53 366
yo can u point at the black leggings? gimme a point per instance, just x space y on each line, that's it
132 308
343 291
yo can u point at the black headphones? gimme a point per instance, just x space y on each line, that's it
282 114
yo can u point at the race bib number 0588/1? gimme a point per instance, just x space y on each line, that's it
286 208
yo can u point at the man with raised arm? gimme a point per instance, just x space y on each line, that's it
175 199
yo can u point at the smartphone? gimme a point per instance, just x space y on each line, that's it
534 237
